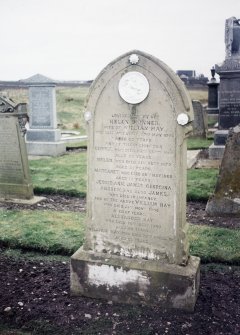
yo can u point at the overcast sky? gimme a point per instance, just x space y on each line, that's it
75 39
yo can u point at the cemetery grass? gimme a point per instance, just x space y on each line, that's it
70 107
199 94
198 143
62 232
60 175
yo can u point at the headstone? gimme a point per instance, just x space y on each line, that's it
15 181
226 198
43 137
136 250
229 88
200 124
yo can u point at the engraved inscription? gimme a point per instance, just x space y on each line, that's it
41 106
134 181
11 169
229 108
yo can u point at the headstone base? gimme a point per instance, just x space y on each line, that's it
220 137
43 135
216 151
33 201
223 207
16 191
46 148
135 281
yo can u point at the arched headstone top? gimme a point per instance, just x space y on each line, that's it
135 66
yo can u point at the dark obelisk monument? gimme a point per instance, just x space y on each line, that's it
229 88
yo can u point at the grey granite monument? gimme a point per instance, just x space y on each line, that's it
229 88
136 248
43 138
15 180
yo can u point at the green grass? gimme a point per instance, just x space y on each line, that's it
82 144
63 175
17 94
215 244
62 233
198 143
70 108
201 183
201 95
25 253
45 231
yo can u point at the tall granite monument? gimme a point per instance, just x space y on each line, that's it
15 180
136 249
43 138
229 88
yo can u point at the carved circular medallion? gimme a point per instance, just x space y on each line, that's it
182 119
133 87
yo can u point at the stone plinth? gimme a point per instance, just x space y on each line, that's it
135 281
139 115
46 148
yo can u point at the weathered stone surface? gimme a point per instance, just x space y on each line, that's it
42 104
220 137
43 137
226 198
46 148
15 181
200 120
135 281
136 206
216 151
